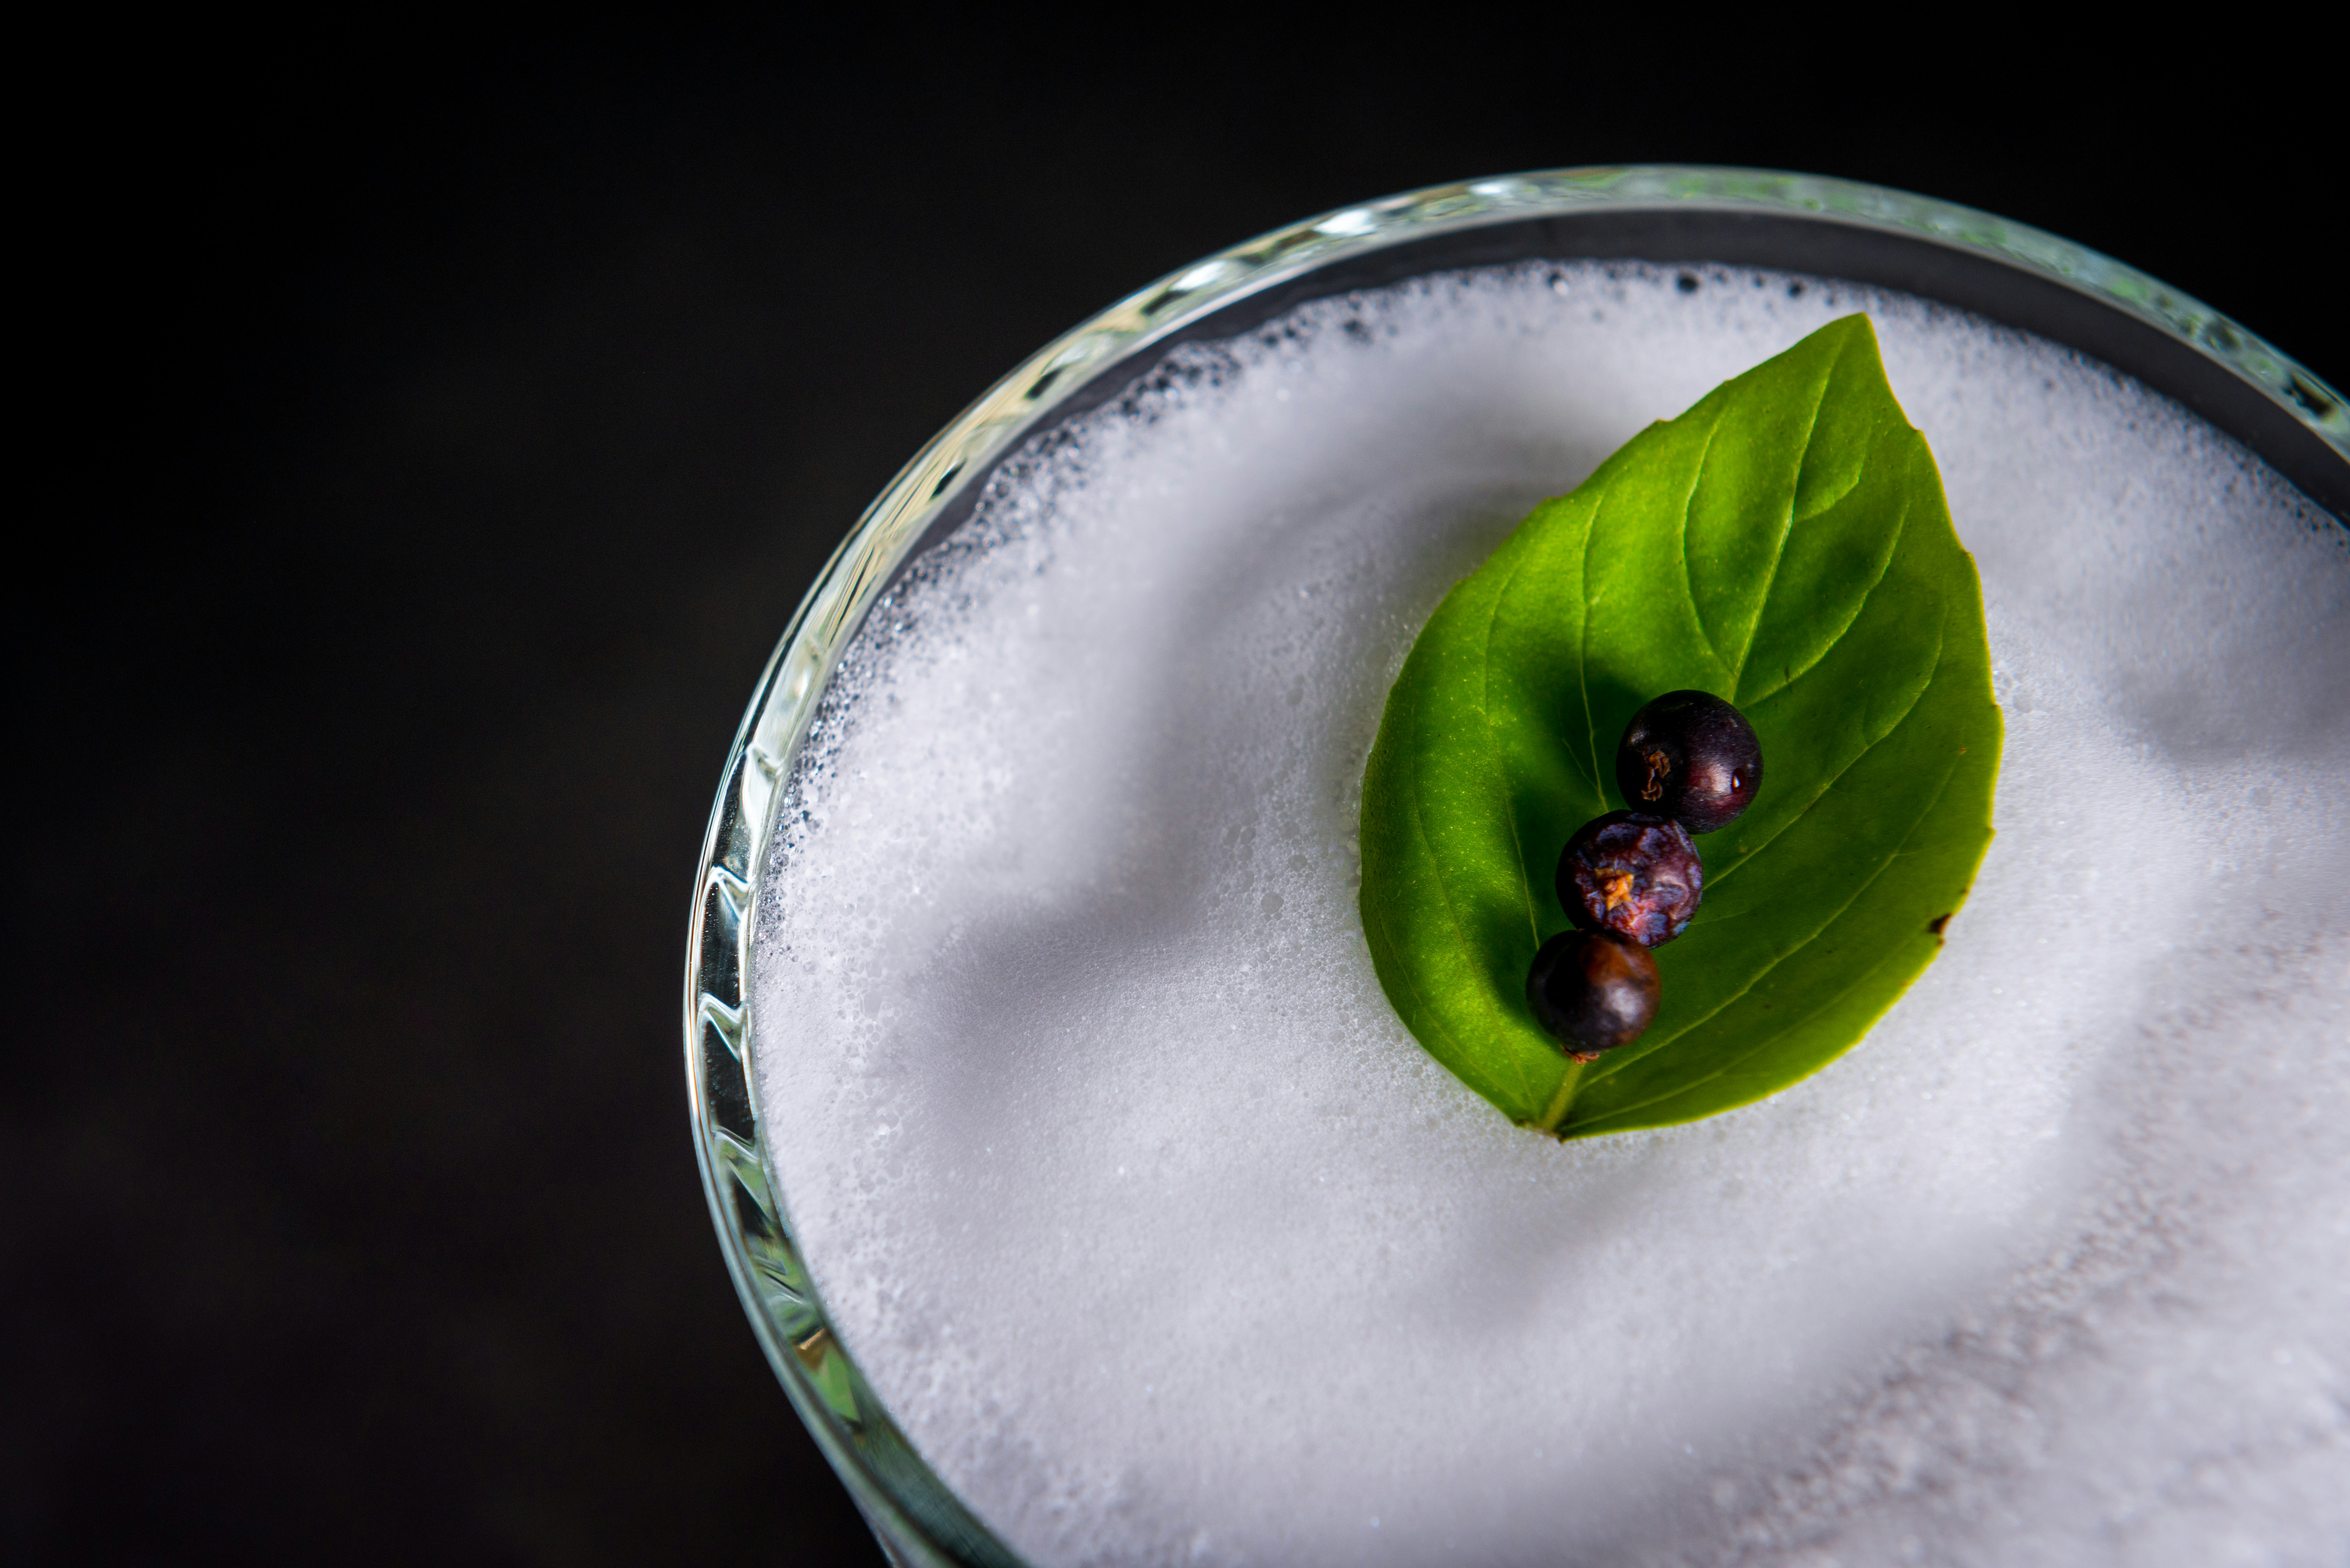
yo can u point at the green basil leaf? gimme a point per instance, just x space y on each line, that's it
1784 544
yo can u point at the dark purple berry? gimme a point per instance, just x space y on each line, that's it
1633 874
1592 990
1691 756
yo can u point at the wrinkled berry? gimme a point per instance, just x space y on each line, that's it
1691 756
1592 990
1633 874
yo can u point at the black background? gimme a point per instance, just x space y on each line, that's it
428 438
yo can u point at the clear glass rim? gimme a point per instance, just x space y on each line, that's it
917 1517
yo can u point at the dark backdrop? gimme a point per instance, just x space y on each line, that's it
431 436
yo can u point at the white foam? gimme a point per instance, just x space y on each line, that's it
1165 1242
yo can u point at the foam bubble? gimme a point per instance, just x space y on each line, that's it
1164 1241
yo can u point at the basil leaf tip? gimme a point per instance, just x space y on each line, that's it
1783 544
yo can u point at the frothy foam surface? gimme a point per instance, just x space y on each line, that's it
1164 1240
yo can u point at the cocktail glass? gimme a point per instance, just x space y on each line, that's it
2019 276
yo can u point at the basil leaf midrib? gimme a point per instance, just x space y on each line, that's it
1714 879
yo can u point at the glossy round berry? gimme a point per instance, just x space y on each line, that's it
1592 992
1633 874
1691 756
